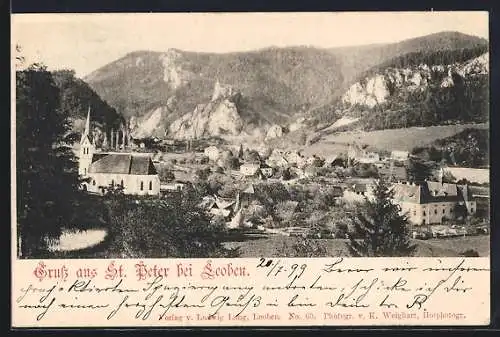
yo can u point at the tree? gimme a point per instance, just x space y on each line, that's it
382 230
418 171
166 174
460 212
47 173
172 227
448 177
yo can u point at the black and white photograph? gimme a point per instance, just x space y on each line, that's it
248 135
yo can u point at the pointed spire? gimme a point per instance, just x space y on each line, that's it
86 132
87 123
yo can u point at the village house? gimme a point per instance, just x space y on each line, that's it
357 192
277 159
172 187
334 161
361 155
400 155
212 152
267 171
313 161
369 158
432 202
295 158
218 206
134 172
253 170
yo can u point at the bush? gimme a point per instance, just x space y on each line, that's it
470 253
303 247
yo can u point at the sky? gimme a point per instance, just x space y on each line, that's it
85 42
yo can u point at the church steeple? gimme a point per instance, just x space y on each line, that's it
86 132
87 148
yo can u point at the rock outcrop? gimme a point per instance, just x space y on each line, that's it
173 74
275 131
376 89
219 117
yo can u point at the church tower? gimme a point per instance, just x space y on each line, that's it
87 149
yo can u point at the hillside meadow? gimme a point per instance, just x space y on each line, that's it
278 246
387 140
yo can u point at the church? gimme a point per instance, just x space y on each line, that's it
135 172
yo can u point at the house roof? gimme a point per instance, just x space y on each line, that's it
399 153
359 188
249 190
338 191
330 159
431 191
122 163
223 203
407 193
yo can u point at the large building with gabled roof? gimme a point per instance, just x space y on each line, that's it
432 202
134 172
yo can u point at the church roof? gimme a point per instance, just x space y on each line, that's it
122 163
87 136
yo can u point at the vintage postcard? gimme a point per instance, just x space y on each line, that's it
250 169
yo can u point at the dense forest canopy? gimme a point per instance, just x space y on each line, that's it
466 101
430 58
76 97
469 148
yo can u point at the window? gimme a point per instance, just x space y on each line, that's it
435 211
150 185
472 210
112 182
443 210
142 185
84 171
423 213
121 183
414 212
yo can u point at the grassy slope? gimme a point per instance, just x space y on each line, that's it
387 140
430 248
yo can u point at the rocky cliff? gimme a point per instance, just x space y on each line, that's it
219 117
376 89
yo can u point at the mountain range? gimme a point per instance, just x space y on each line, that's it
269 92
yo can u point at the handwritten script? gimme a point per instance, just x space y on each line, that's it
258 292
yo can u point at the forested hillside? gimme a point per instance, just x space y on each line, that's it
76 97
469 148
